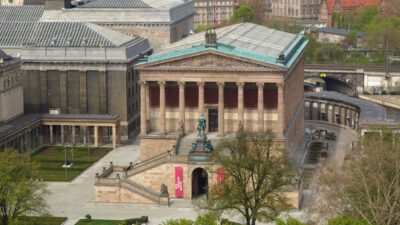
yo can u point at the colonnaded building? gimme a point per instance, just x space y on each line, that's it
243 76
76 83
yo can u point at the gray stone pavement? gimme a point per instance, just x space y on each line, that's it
76 199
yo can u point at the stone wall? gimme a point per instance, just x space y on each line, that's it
11 104
293 91
165 174
107 194
154 177
81 92
151 146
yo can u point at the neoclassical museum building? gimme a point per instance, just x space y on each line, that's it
240 76
251 77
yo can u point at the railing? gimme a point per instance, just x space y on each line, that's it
142 166
140 189
155 161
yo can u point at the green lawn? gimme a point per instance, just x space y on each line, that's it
51 160
40 220
99 222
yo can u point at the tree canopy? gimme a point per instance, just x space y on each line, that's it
21 192
244 11
256 171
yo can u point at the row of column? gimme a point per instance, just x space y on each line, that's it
343 115
25 141
86 134
144 109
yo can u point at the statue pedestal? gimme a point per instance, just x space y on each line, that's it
201 149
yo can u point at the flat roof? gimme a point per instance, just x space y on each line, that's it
246 40
21 123
158 4
368 110
60 34
21 13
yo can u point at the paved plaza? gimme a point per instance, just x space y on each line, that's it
76 199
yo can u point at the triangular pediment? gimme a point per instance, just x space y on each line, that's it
209 60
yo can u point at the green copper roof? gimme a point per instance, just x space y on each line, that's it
290 54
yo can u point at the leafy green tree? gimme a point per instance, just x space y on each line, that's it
201 28
311 47
346 220
383 29
242 12
365 15
256 171
289 221
350 40
356 58
329 53
21 192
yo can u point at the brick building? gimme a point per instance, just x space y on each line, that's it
329 6
205 11
303 9
335 35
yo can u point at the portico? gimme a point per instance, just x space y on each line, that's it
222 103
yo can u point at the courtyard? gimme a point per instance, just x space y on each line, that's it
79 193
52 158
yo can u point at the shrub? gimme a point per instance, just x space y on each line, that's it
346 220
178 222
205 220
133 221
289 221
227 222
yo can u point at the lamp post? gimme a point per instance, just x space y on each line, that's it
88 152
65 156
65 163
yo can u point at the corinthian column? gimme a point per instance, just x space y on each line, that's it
143 119
182 103
240 102
221 109
162 108
201 97
281 110
260 107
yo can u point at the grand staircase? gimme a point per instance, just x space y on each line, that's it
180 154
140 189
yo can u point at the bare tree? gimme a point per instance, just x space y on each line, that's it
367 185
256 171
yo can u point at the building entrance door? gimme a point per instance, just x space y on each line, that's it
212 120
199 182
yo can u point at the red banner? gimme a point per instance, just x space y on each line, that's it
178 182
220 175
